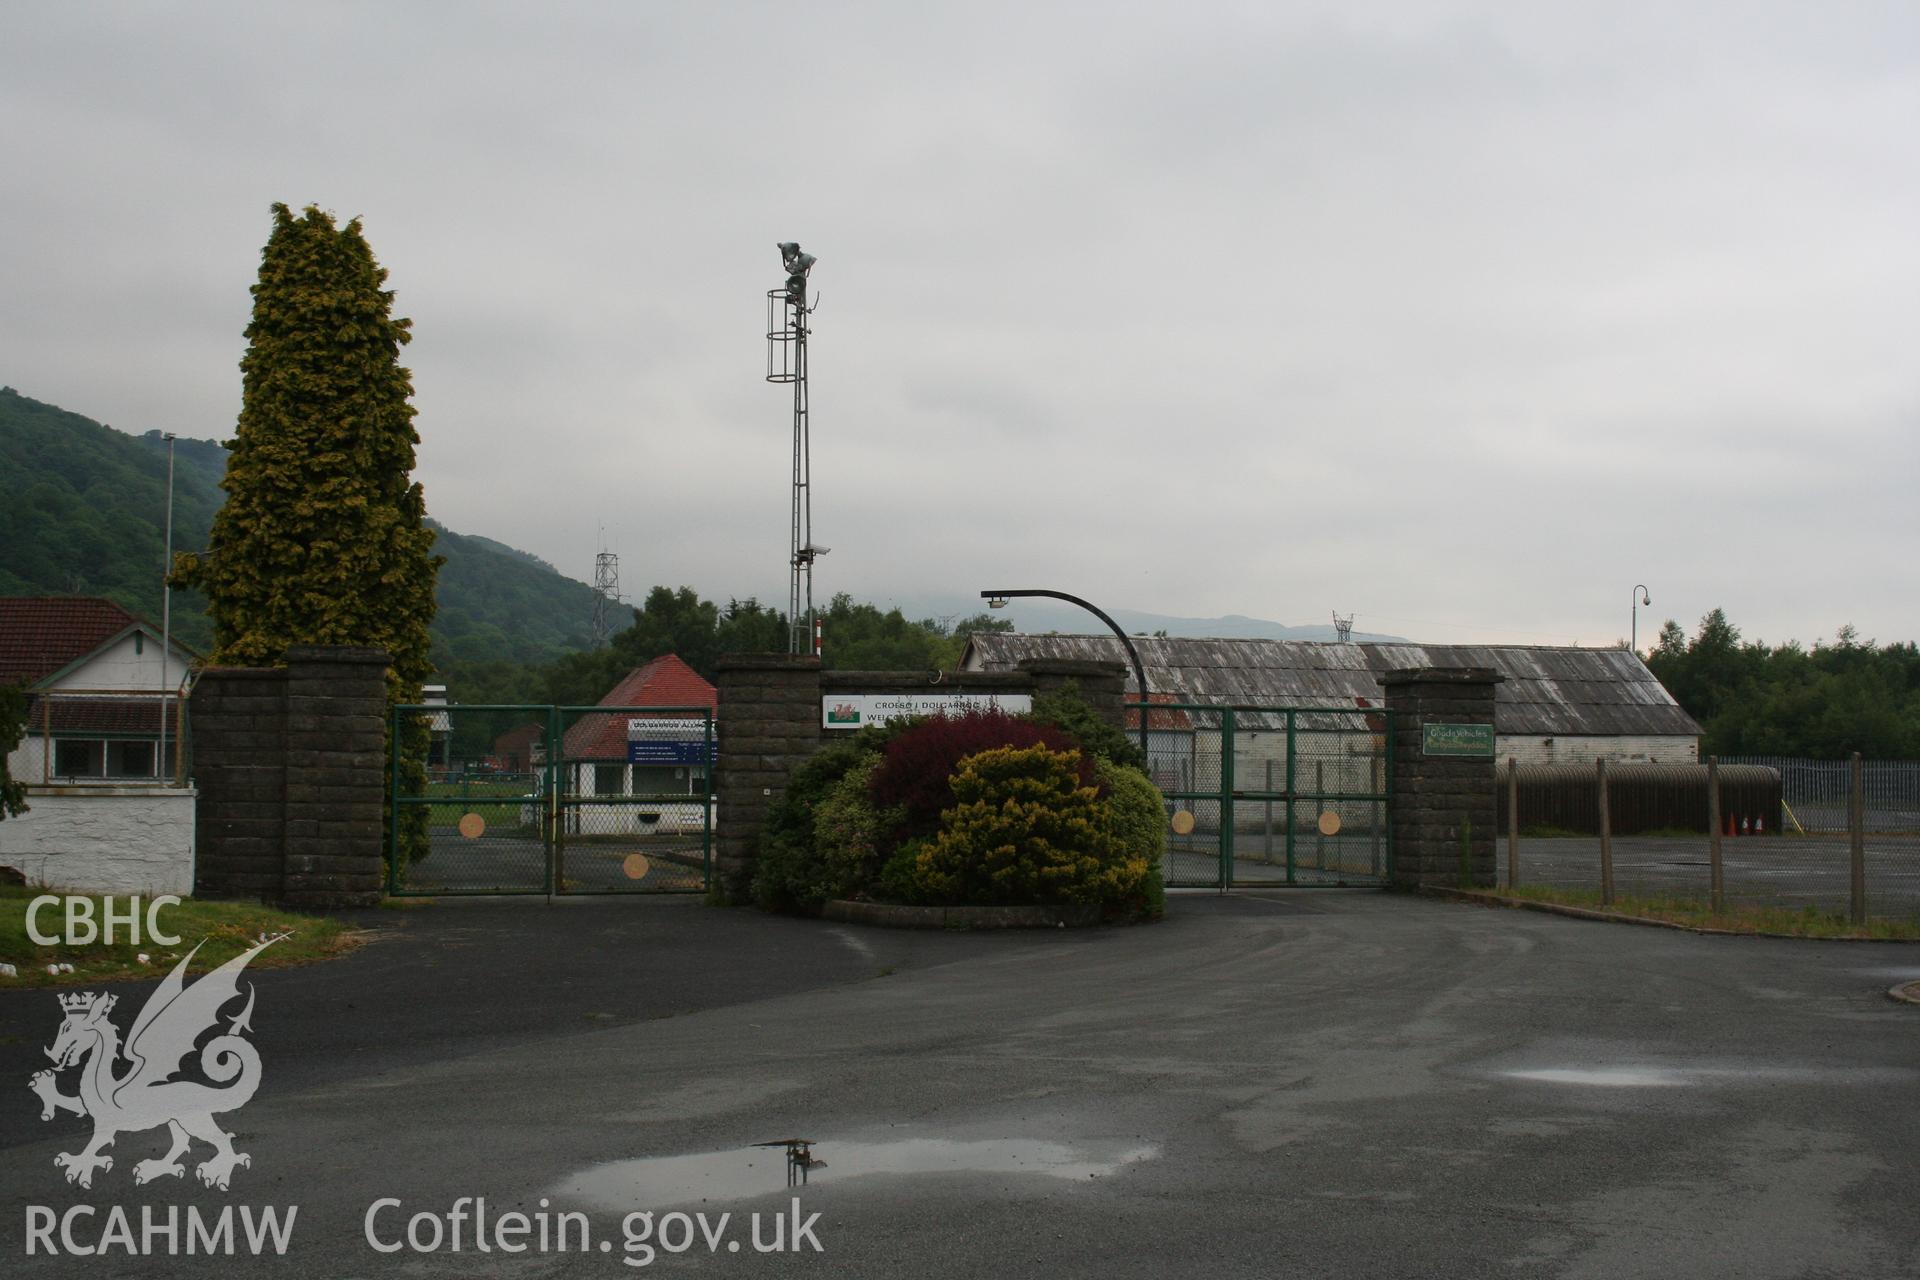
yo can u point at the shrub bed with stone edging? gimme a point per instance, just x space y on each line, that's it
893 915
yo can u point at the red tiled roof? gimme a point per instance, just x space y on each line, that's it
664 682
41 634
518 739
1176 721
134 716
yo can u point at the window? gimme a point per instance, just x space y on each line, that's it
609 779
78 758
130 759
113 758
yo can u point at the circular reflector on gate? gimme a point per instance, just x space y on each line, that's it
472 825
1183 823
1329 823
636 866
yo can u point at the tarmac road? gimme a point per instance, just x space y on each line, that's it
1267 1084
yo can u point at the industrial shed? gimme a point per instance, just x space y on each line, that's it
1554 705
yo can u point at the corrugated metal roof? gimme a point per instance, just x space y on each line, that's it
1546 691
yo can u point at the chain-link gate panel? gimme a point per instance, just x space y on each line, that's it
468 810
1271 795
633 808
543 799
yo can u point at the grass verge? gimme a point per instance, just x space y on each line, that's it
227 927
1697 913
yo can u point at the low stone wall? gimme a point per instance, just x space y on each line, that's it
771 719
890 915
104 839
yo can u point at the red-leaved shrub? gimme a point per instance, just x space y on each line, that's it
920 763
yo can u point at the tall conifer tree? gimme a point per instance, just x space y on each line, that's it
321 539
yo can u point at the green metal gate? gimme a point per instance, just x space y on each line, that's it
550 800
1272 795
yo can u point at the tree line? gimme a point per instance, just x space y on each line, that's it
856 636
1755 699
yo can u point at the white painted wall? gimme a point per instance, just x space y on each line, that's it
104 839
1585 750
119 667
27 762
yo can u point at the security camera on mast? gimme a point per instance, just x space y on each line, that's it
787 313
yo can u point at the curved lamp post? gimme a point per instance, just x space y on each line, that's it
1640 597
998 600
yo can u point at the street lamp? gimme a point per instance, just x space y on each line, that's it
166 615
998 600
1640 597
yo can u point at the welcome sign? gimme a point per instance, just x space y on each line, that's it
855 710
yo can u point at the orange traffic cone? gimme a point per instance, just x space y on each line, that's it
1729 830
1743 826
1759 826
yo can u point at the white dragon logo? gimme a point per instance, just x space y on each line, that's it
146 1096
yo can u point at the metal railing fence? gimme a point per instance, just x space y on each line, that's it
1815 791
1840 838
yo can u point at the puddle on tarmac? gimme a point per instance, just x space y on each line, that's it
1605 1077
1649 1077
736 1175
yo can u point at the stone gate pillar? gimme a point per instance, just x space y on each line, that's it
238 719
1441 817
767 725
290 763
1102 684
336 776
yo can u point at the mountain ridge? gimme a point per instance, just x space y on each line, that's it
1035 615
83 509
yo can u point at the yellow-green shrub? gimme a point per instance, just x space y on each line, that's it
849 830
1139 822
1023 830
1139 810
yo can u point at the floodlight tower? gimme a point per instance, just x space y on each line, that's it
606 594
787 313
1342 628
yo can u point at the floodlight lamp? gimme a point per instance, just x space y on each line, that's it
796 262
997 602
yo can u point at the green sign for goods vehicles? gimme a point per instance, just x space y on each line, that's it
1471 740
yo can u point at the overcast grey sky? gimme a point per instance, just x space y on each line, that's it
1461 317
